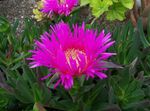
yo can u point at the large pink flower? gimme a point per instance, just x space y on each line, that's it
72 53
62 7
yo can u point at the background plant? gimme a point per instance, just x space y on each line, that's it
112 9
126 88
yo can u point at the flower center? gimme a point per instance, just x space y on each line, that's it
74 54
61 1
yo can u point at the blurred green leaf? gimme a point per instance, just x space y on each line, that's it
4 25
29 75
5 99
127 3
37 92
99 7
38 107
140 105
117 12
142 35
84 2
23 91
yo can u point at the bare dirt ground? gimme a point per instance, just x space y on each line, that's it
16 9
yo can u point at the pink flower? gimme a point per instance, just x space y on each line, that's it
61 7
72 53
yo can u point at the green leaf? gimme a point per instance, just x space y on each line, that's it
4 98
127 3
114 9
148 27
95 92
4 24
117 11
37 92
136 95
38 107
28 74
65 105
115 1
84 2
99 6
23 91
142 34
15 25
41 93
138 104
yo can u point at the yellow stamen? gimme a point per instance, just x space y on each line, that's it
73 53
61 1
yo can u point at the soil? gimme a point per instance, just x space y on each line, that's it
17 9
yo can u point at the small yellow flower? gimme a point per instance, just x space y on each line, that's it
40 4
38 15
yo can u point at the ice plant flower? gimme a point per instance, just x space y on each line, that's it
72 53
61 7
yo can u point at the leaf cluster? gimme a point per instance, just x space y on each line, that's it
112 9
126 89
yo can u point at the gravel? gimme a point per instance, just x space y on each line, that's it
16 9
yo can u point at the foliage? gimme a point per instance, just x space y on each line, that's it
113 9
4 99
127 87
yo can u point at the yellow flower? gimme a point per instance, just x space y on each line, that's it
40 4
38 15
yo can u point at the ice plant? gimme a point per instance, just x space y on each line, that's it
72 53
61 7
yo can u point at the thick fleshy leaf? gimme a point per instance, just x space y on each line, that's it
38 107
110 65
4 24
